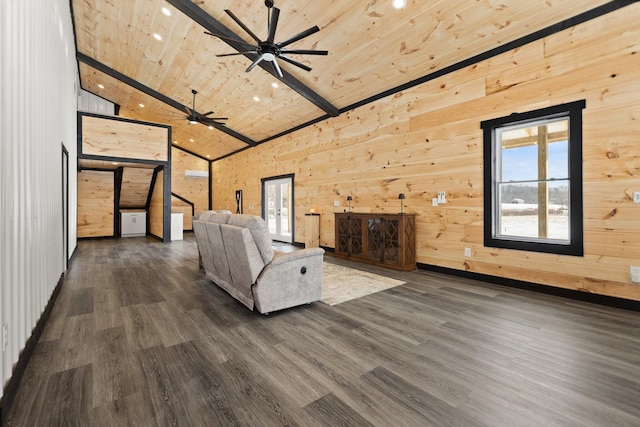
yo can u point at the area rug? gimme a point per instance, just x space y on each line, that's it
340 284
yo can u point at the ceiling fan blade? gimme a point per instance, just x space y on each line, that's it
305 51
213 119
210 123
273 24
296 63
206 114
276 67
244 27
236 53
256 62
299 36
242 42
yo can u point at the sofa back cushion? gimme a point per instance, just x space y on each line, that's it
205 215
219 266
259 231
244 261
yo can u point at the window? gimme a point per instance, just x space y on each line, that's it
533 180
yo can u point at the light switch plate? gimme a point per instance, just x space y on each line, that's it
634 273
336 203
434 202
636 197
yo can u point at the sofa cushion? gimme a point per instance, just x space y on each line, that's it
258 228
219 267
244 260
218 218
204 215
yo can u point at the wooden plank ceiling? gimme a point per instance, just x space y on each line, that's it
372 48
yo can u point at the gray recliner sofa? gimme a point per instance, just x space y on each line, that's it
237 255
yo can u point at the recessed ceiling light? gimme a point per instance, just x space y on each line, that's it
208 156
101 86
166 11
399 4
191 140
114 163
141 105
175 142
157 36
255 98
210 127
274 85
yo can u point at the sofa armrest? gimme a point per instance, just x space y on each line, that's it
290 279
283 257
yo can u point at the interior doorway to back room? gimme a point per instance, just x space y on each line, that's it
277 207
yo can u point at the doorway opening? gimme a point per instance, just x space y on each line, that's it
277 207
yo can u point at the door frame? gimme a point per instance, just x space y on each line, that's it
265 182
65 208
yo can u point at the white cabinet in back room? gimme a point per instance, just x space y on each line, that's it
133 223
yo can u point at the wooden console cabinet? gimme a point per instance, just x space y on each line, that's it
387 240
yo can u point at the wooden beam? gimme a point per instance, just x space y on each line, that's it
214 26
157 95
543 186
533 140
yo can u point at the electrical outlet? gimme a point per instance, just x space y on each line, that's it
634 273
434 202
442 197
636 197
336 203
5 336
467 252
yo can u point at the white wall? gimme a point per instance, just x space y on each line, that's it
38 75
94 104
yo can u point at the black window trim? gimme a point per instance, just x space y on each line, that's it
576 240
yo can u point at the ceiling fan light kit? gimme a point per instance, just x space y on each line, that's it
267 50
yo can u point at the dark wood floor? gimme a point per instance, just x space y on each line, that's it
138 337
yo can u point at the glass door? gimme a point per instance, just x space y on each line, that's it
277 202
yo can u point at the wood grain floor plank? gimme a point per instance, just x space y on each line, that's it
68 398
131 411
139 336
113 367
160 385
140 328
331 411
435 411
81 302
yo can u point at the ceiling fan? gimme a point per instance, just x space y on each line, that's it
194 117
268 50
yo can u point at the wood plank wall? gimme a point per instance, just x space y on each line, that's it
122 139
196 190
428 138
96 193
155 213
136 183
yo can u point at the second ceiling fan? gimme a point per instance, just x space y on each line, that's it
194 117
268 50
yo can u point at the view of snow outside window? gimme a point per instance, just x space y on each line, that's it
518 190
